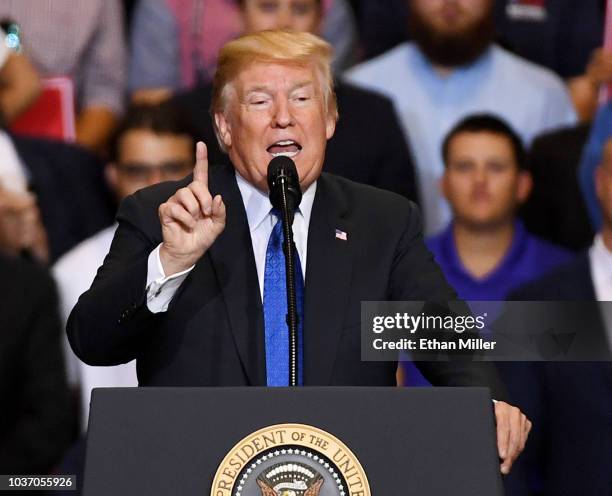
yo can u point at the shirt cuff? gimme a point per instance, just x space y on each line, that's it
160 288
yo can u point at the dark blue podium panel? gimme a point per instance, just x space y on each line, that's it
172 441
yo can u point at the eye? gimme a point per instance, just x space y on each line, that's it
302 9
301 98
462 166
258 101
268 7
496 166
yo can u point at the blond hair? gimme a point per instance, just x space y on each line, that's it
276 47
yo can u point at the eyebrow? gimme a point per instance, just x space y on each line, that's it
265 89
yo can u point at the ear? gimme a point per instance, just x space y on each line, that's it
224 128
330 127
599 182
442 186
110 174
524 186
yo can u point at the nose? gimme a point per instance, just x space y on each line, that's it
155 176
285 18
480 176
282 114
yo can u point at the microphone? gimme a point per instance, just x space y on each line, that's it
285 196
284 184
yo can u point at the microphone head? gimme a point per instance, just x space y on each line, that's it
282 173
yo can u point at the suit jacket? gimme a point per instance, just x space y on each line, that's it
570 403
556 209
213 332
368 146
72 195
37 420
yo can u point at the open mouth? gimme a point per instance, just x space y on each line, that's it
284 148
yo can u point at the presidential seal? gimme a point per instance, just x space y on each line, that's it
290 460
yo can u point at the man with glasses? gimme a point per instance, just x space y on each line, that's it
153 144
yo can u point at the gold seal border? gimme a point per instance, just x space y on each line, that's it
348 465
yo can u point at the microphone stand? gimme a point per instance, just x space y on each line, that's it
292 315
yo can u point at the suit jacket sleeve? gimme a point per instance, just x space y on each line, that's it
110 320
416 276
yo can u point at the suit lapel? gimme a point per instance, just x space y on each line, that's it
327 286
234 265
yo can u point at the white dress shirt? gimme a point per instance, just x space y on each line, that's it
600 261
161 289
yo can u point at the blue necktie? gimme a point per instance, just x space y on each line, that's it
275 310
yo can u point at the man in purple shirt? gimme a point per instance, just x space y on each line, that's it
485 251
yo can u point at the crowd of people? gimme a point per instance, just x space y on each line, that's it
491 115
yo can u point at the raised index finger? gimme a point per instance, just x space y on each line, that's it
200 171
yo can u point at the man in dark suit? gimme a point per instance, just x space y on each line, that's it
571 403
193 298
37 421
368 146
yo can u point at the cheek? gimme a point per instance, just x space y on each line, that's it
129 187
304 24
265 21
460 186
503 187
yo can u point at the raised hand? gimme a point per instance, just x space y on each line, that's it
191 219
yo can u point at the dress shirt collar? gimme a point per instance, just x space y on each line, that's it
507 264
258 206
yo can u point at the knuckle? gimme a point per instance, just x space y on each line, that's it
184 193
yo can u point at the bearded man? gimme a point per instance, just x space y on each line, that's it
451 70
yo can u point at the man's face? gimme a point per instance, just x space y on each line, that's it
603 183
451 32
276 109
146 158
299 15
482 181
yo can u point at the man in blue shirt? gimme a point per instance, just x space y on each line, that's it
451 70
485 251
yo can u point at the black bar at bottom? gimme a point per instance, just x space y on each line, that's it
37 482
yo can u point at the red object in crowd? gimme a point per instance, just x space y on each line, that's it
52 115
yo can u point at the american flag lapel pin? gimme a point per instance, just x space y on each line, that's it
341 235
